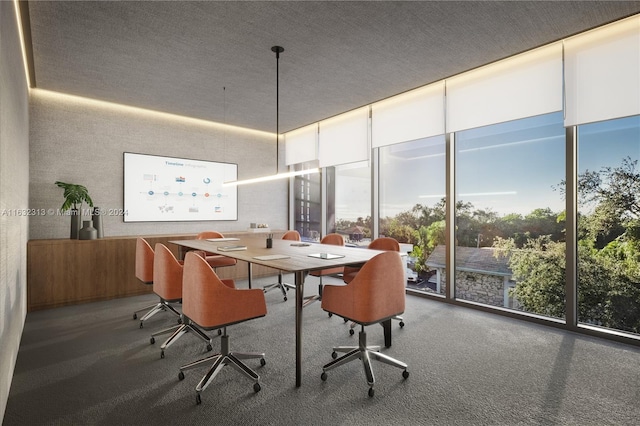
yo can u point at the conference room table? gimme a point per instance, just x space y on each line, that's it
293 257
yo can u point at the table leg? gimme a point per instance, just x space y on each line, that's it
386 325
249 272
299 299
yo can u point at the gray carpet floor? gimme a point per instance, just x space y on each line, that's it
92 365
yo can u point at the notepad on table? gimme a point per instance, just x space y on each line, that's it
326 255
271 257
300 245
217 240
232 248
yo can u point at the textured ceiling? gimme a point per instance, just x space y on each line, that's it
177 56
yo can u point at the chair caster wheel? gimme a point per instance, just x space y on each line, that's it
263 362
198 399
330 314
285 298
401 324
323 376
219 332
371 392
209 348
161 354
405 374
351 332
135 316
334 355
256 387
152 340
179 320
181 376
141 324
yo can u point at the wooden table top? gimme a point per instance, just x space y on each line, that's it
297 257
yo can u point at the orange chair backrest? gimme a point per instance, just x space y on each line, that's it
335 239
291 235
209 302
377 292
385 243
205 235
167 274
144 261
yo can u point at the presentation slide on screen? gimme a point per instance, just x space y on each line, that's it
160 189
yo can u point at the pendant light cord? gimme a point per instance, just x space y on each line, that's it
277 50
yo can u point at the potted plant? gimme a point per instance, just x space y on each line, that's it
74 195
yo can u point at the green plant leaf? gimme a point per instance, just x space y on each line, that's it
74 195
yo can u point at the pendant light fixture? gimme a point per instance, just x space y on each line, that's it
277 50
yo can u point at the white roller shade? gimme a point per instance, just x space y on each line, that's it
344 139
521 86
301 145
602 73
409 116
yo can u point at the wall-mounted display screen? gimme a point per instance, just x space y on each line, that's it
158 189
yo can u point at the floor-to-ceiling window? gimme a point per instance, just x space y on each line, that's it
609 224
509 229
307 210
349 202
496 187
412 206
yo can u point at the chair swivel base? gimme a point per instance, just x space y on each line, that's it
177 332
219 362
364 353
158 307
284 287
146 308
315 298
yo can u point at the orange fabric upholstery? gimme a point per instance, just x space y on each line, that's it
291 236
204 235
385 243
144 261
375 294
167 274
382 243
145 265
215 260
336 240
212 303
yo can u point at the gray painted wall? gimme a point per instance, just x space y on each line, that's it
82 141
14 197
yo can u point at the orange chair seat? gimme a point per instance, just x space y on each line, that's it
217 260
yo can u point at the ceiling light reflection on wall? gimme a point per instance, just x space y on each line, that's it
22 43
80 100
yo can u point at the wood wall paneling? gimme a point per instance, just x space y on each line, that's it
65 272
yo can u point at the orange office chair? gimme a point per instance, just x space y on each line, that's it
144 272
374 296
215 260
382 243
292 236
337 240
167 283
212 303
